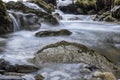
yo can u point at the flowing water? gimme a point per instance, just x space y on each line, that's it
16 24
103 37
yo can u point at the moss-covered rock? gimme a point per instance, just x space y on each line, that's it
88 6
39 77
5 20
101 16
109 19
117 2
105 17
63 32
48 7
86 3
79 7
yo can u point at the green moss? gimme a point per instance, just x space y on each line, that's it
43 4
5 20
85 5
117 2
109 19
86 2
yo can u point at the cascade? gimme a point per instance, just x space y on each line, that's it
16 24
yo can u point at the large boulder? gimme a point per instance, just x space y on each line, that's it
48 33
5 20
69 52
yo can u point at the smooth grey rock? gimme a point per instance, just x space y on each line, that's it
68 52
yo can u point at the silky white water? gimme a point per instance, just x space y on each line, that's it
100 36
103 37
16 24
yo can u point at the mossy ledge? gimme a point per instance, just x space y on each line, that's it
5 21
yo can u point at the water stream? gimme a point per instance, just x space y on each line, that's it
103 37
16 24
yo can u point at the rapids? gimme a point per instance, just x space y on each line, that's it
102 37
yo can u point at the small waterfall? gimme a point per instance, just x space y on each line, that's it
15 22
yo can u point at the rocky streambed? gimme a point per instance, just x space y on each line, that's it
62 56
48 44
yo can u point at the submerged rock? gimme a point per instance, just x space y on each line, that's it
48 33
26 68
5 67
39 77
5 21
57 16
68 52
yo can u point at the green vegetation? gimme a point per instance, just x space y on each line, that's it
109 19
43 4
86 3
5 20
117 2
